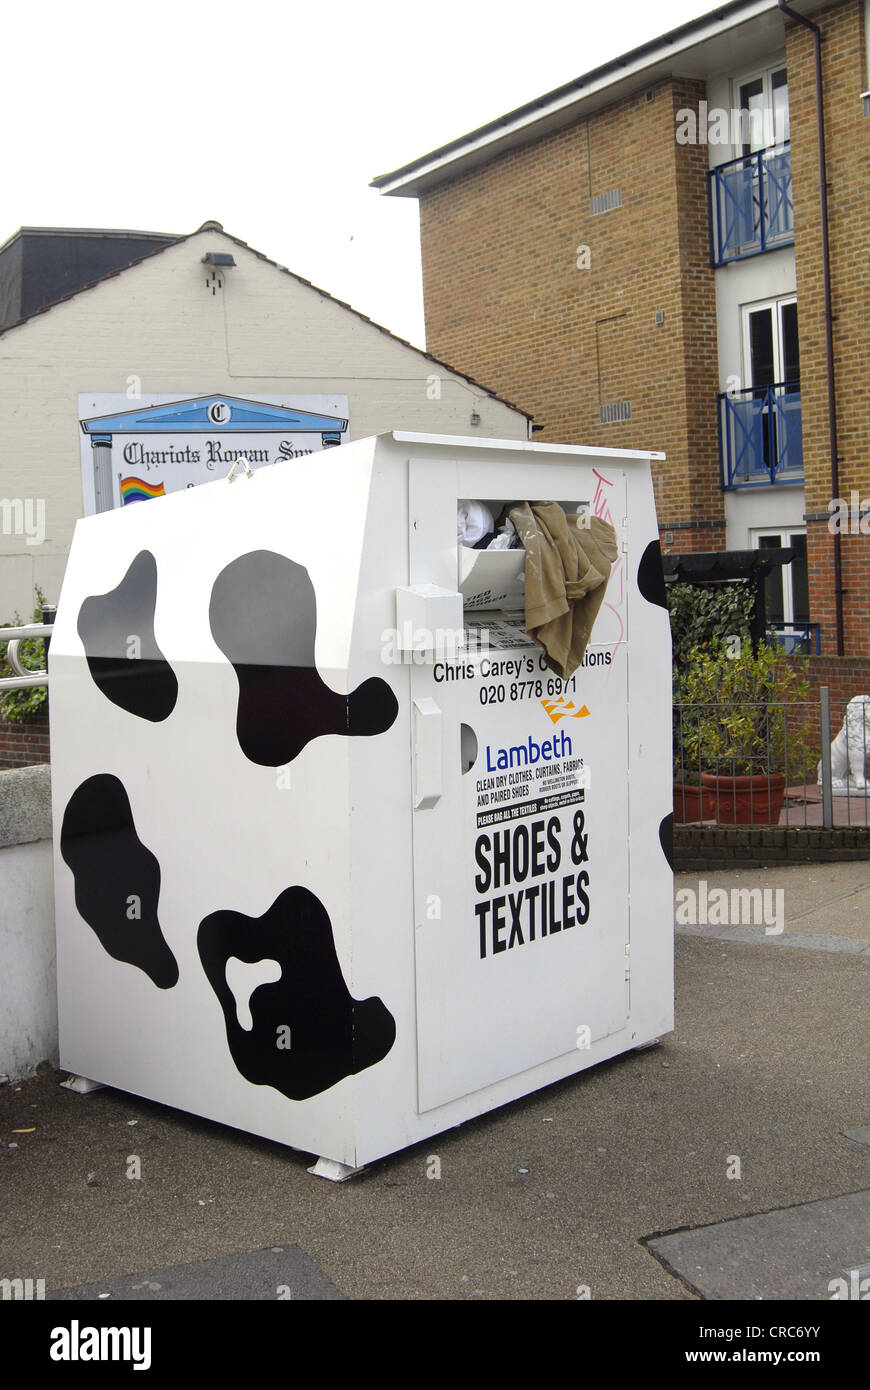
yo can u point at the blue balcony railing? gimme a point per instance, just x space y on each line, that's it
799 639
760 437
751 206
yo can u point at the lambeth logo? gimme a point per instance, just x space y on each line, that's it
564 709
528 753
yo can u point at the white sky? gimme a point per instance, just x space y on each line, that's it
273 118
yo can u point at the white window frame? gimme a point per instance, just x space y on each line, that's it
776 304
770 135
782 533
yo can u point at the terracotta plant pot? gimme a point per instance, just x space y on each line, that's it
744 800
692 805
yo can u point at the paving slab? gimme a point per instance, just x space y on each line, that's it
806 941
279 1273
818 899
795 1253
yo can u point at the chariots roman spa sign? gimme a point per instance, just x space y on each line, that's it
166 443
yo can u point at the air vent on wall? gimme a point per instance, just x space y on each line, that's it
618 410
603 202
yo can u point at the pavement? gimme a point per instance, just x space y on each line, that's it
803 806
731 1161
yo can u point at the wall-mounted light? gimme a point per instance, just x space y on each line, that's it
660 317
218 258
475 418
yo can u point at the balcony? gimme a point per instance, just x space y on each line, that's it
760 437
751 207
799 639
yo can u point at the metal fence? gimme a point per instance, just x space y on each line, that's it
772 764
14 660
799 763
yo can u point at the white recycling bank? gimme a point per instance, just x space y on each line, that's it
325 872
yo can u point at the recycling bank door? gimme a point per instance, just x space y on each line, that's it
521 865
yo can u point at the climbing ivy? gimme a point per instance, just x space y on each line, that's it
704 615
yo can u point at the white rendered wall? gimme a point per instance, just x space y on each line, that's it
265 332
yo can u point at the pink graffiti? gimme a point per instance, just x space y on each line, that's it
601 507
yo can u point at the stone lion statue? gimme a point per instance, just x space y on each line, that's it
850 749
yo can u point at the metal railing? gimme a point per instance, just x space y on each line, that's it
761 436
24 677
751 205
792 775
798 639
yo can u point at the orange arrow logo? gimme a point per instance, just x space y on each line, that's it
564 709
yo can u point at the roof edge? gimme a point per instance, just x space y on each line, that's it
88 231
207 230
445 161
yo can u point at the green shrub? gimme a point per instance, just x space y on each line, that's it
702 614
751 713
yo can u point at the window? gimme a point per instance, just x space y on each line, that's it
772 373
763 104
770 344
786 589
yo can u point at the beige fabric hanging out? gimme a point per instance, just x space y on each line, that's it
567 568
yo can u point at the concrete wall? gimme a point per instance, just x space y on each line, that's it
266 331
28 993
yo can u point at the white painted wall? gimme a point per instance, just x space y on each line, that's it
265 332
738 284
746 282
762 508
28 984
770 276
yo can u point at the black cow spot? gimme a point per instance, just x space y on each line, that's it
263 615
307 1032
651 577
117 631
666 837
117 880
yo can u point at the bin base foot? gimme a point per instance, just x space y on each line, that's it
644 1047
82 1085
333 1170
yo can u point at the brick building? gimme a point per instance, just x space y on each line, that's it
638 259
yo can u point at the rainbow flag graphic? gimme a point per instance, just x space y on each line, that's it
136 490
